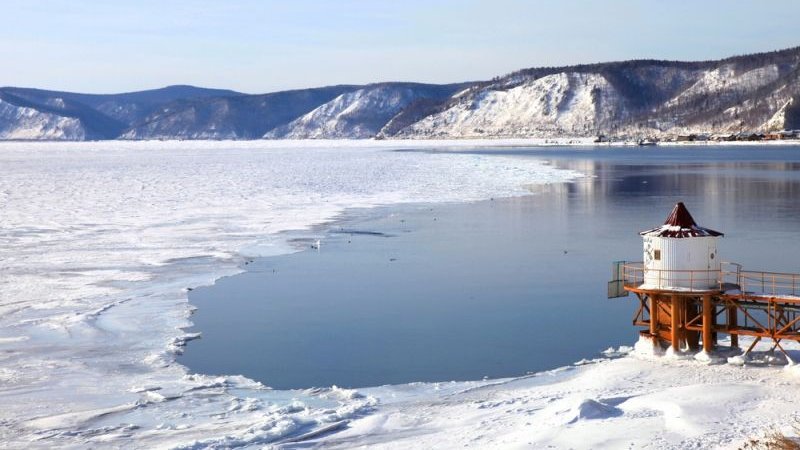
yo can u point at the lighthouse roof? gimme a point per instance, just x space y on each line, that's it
680 224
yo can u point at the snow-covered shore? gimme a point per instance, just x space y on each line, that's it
628 400
424 143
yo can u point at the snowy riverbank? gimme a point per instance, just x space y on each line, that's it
628 400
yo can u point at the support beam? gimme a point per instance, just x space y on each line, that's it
653 314
690 309
733 323
753 345
708 325
675 326
684 319
714 317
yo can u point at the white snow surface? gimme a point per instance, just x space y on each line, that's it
562 104
725 82
778 120
638 400
100 241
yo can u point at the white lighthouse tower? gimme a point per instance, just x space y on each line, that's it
680 255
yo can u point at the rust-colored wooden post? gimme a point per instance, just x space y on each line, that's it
690 308
733 323
708 317
714 321
675 326
653 314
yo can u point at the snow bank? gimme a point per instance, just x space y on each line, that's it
625 402
101 240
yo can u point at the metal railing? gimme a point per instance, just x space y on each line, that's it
729 276
635 275
774 284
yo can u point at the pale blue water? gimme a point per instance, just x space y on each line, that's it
495 288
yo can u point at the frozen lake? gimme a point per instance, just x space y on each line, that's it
492 288
102 241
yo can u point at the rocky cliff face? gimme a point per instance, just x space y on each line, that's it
632 98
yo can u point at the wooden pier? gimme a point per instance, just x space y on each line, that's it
687 297
744 303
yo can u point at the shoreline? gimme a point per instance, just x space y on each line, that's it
333 144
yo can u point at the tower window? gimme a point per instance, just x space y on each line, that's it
657 255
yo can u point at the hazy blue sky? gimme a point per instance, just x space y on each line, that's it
260 46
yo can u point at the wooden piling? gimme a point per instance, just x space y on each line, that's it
675 326
653 315
733 317
690 308
708 319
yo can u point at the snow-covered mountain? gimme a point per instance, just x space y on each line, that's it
360 113
230 117
23 122
748 93
555 105
632 98
54 115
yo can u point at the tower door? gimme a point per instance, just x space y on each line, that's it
713 261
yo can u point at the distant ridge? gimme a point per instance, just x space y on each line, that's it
755 93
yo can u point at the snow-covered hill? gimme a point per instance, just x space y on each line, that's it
753 93
562 104
230 117
99 116
633 98
20 122
358 114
